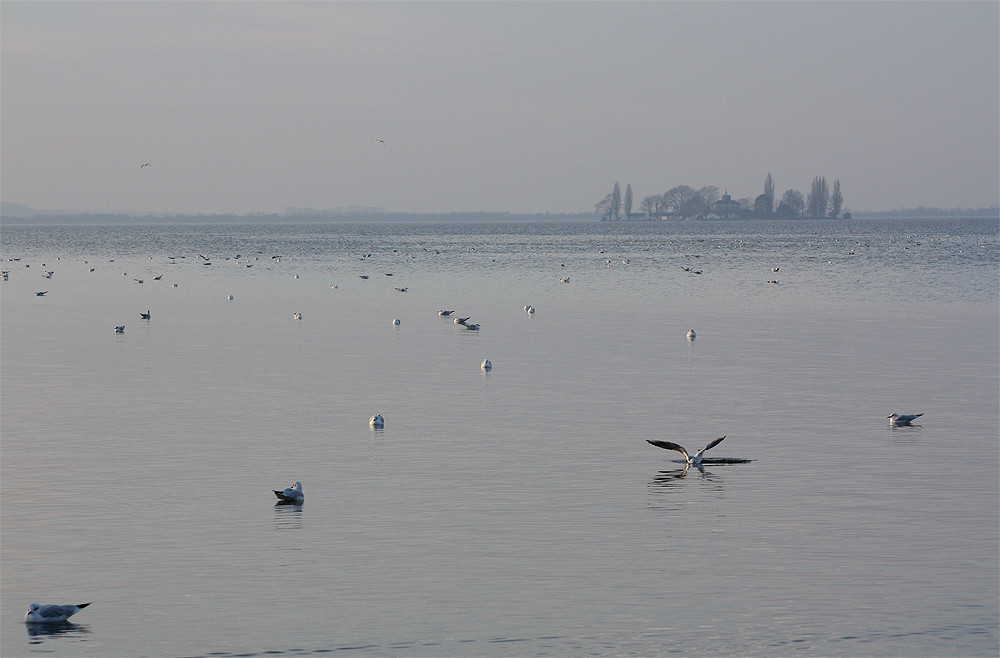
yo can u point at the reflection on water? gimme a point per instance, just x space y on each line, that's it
37 633
287 515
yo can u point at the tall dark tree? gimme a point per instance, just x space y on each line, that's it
768 202
819 196
761 206
792 204
836 200
616 202
628 201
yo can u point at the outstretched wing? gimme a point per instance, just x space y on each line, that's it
713 444
667 445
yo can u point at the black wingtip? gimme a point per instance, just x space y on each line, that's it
83 605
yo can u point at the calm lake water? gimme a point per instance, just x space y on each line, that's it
516 512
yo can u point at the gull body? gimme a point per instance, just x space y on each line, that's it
376 421
292 494
41 293
146 315
120 329
695 459
462 320
691 334
297 316
50 613
486 365
899 420
445 314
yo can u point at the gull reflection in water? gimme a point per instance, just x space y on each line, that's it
38 632
673 477
287 516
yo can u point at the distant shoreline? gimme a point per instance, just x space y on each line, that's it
29 217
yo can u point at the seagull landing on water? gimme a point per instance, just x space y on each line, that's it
900 420
698 456
51 614
292 494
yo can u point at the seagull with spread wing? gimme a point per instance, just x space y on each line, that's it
695 459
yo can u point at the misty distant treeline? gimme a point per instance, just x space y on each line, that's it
686 202
17 214
14 213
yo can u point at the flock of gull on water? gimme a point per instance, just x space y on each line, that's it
293 495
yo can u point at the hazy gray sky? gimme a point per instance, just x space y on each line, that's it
520 106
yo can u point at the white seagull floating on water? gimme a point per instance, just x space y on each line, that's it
120 329
50 613
376 421
445 314
486 365
898 420
691 334
292 494
698 456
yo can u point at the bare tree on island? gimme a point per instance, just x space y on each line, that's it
836 200
791 206
610 207
819 197
652 206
